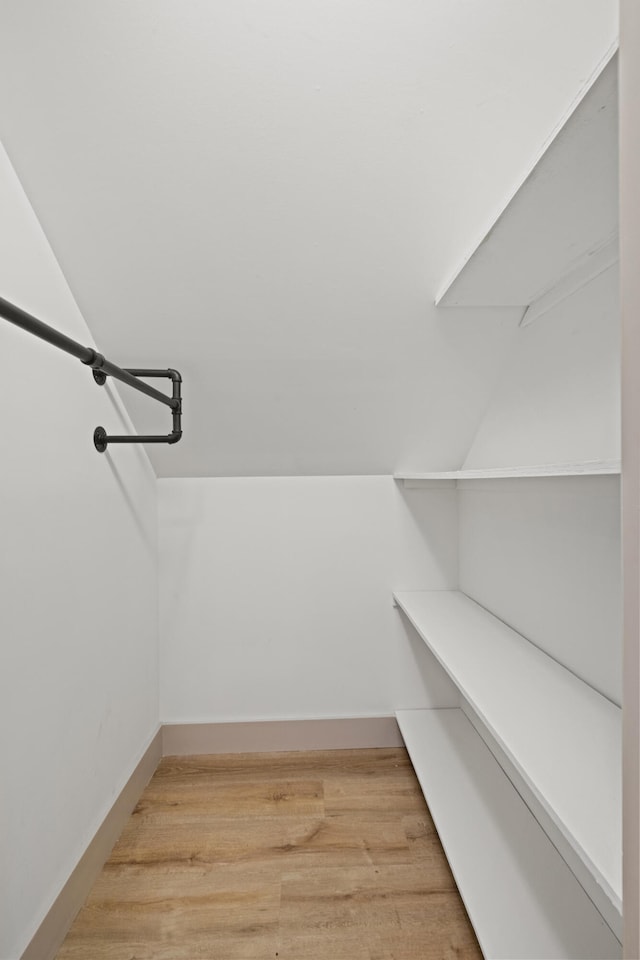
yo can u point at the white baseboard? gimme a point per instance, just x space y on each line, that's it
275 736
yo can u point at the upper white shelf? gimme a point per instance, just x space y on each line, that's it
562 737
560 228
587 468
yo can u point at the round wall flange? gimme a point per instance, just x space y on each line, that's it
100 439
99 377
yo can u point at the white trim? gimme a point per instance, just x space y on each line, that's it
274 736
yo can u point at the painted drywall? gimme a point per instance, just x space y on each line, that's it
557 399
544 556
78 589
275 597
269 195
630 303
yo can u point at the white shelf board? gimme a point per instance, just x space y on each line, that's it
560 228
587 468
521 897
562 737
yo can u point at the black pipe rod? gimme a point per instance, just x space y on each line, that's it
86 355
170 374
23 319
135 438
105 366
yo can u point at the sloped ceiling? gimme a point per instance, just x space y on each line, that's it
266 194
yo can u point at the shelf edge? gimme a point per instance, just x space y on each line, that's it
586 468
575 103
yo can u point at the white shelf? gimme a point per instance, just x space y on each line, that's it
559 230
521 897
562 738
587 468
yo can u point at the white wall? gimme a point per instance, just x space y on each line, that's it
544 555
557 399
275 596
78 590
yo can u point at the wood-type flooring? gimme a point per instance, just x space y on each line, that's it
326 855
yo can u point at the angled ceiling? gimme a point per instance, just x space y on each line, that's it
267 194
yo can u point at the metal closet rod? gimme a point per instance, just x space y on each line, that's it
103 368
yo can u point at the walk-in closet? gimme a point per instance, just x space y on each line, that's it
319 493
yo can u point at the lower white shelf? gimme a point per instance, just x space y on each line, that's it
558 735
523 900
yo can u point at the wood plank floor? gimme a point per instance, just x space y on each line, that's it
326 855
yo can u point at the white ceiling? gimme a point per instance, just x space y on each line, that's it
267 194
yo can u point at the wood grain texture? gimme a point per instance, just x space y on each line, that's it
297 856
